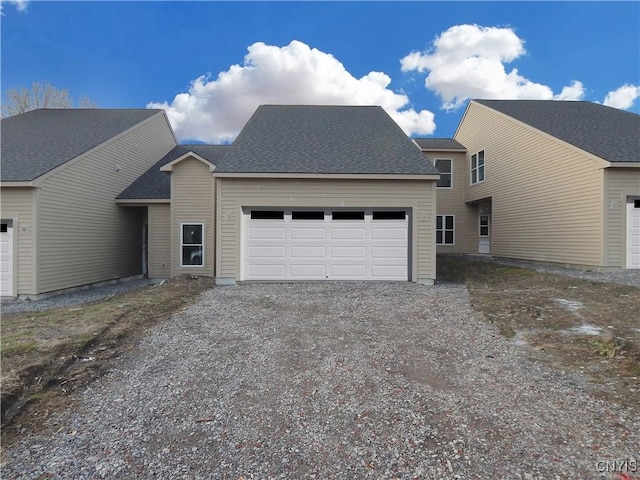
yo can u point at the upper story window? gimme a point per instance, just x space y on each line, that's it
445 167
477 167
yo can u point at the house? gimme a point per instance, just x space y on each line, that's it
303 193
61 171
547 181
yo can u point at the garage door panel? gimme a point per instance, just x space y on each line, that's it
308 271
297 233
267 272
389 252
266 233
267 252
319 251
348 252
342 233
399 233
354 272
388 271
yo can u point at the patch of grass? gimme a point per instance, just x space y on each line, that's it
12 347
506 330
607 347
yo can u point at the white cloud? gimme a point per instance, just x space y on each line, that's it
214 110
623 97
468 61
575 91
21 5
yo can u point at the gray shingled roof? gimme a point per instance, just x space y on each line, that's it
154 184
609 133
324 140
439 144
38 141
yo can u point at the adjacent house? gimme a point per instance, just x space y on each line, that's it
303 193
60 173
547 181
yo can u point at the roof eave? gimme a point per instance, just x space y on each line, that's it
141 201
447 150
348 176
17 183
190 154
631 164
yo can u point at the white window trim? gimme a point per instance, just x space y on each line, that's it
182 244
435 160
444 229
480 226
484 167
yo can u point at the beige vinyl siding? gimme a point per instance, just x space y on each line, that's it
546 196
450 201
84 236
159 240
192 201
19 205
619 184
235 193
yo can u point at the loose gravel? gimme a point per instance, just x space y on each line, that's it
331 380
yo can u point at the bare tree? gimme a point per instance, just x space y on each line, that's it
40 95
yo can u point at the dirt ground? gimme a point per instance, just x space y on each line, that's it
47 355
571 323
589 326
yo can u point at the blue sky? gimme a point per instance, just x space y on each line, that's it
209 64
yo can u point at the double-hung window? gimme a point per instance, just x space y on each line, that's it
477 167
192 245
445 167
484 225
445 230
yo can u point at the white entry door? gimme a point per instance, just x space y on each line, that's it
6 259
325 244
633 233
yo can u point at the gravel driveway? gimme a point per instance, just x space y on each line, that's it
331 380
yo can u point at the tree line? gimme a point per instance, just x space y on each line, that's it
40 95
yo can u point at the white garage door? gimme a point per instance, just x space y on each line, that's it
633 233
6 259
321 244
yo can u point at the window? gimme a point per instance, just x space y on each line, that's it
389 215
267 215
4 228
192 244
484 225
307 215
445 225
477 167
348 215
445 167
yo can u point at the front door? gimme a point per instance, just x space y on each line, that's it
484 234
633 232
6 258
